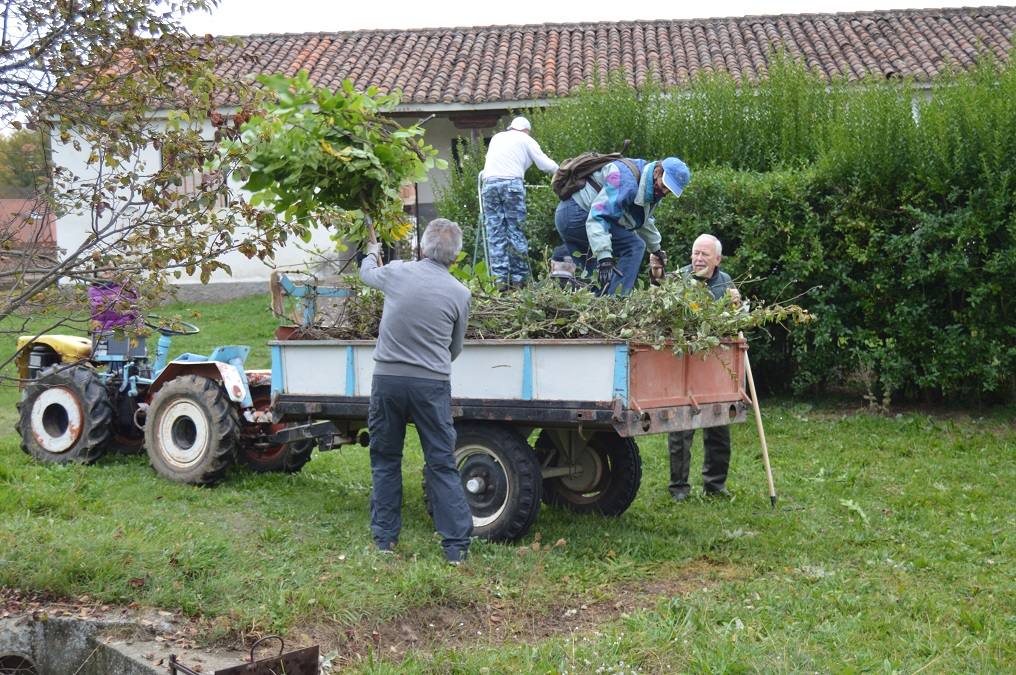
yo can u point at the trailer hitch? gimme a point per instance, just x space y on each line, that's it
315 430
299 662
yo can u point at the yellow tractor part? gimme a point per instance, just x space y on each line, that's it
70 348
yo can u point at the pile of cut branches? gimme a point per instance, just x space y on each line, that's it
680 314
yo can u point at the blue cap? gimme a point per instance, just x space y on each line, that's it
675 175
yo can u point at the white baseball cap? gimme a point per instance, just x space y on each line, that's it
520 124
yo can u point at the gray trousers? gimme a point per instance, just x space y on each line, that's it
715 463
394 401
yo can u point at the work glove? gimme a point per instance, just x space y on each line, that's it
375 250
605 274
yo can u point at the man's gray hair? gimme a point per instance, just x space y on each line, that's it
442 241
716 242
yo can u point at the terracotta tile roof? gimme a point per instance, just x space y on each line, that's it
503 64
24 221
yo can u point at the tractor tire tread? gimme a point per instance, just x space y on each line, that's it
97 413
290 459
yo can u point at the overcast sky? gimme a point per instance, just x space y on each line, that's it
244 17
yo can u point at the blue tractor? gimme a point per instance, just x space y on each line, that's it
195 415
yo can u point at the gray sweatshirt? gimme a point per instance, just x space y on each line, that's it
424 318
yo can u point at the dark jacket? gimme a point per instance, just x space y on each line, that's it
718 284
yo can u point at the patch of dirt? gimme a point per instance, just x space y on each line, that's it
492 621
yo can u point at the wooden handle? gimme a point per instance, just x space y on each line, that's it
761 431
278 304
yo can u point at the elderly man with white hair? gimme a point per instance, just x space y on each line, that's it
503 197
706 254
423 325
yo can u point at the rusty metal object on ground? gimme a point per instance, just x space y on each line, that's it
299 662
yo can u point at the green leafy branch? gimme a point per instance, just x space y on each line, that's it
677 315
317 156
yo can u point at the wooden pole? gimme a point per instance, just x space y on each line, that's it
761 431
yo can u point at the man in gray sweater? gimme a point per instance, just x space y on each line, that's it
422 328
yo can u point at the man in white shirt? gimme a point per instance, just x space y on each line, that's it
509 155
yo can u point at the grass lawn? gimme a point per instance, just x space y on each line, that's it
892 549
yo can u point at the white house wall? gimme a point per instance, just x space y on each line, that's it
73 227
439 133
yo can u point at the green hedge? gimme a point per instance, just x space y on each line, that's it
889 214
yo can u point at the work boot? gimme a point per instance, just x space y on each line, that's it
679 444
455 557
717 492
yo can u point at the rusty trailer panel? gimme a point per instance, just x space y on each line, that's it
660 378
680 418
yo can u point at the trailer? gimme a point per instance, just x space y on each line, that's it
583 401
537 421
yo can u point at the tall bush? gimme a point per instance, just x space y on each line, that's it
886 210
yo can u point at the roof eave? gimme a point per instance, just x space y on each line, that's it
515 104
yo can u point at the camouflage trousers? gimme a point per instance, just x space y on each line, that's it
504 214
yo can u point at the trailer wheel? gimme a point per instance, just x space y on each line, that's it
610 472
65 415
191 431
281 457
501 479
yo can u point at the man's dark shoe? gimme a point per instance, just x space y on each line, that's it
721 492
681 494
456 558
386 547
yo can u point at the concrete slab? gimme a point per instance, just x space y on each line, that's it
62 645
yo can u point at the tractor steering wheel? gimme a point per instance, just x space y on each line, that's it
174 328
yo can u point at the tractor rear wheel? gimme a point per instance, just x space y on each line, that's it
192 430
264 458
606 477
65 415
